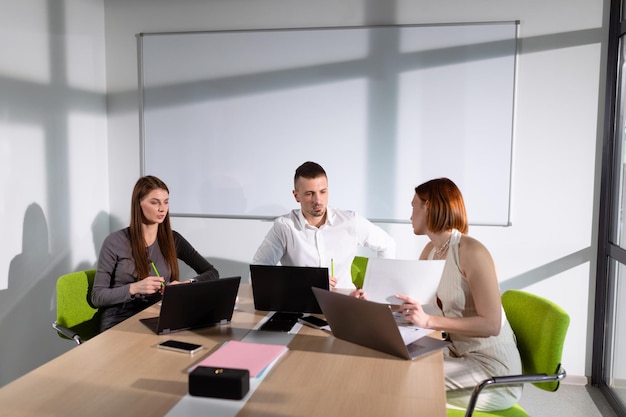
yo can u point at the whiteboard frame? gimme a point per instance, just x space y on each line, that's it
140 58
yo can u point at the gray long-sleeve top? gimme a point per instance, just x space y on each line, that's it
116 267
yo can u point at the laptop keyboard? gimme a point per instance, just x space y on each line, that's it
281 322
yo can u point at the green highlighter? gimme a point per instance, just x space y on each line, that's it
156 272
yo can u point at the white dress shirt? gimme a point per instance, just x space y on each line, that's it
293 242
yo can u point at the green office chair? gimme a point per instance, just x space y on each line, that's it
540 327
77 318
359 264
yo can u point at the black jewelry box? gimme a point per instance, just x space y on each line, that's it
229 383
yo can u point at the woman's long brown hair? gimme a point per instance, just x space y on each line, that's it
165 237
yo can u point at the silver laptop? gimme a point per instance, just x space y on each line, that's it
371 324
195 305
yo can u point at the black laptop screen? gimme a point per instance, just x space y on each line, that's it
201 304
287 288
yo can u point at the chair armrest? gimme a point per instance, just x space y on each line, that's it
511 379
67 333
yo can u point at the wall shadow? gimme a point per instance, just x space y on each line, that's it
28 304
548 270
101 226
26 313
226 268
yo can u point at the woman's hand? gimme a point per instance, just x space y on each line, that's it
148 285
358 293
413 311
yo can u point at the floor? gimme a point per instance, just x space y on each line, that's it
570 400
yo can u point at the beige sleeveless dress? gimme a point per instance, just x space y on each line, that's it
470 360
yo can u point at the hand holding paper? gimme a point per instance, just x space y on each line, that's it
419 279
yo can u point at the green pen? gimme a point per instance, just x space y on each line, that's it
332 267
156 272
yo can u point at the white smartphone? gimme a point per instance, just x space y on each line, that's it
179 346
313 321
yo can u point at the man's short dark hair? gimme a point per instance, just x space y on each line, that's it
309 170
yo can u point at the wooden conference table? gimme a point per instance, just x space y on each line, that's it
122 373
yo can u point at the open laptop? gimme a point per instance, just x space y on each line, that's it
372 325
195 305
286 290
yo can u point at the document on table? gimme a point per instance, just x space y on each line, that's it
419 279
255 357
258 358
411 333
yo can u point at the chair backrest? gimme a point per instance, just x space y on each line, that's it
74 308
540 327
359 264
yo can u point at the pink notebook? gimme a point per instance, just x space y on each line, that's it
254 357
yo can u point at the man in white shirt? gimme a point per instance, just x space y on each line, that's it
319 236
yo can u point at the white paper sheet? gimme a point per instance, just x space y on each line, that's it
384 278
411 333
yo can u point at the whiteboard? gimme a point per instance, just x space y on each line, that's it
227 116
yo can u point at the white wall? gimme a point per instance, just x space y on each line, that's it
557 133
53 166
66 175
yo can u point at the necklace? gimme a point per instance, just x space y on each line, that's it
439 252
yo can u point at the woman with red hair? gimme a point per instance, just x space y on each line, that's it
469 308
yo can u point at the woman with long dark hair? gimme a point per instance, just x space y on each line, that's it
136 262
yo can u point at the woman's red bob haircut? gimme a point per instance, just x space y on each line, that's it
446 208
